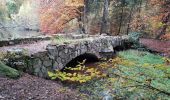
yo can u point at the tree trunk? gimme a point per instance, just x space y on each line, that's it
105 17
140 6
121 18
85 16
130 17
81 21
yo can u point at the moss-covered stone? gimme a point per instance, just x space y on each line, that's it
8 71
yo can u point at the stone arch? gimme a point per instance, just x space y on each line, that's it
90 57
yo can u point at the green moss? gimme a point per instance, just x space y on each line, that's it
8 71
141 57
135 74
61 40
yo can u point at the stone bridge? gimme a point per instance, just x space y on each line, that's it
41 57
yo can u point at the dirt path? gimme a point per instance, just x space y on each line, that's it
33 88
31 48
157 45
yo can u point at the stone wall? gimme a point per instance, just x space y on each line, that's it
56 56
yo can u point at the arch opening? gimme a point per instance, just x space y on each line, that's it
119 48
90 58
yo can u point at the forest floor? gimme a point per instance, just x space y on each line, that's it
160 46
33 88
133 74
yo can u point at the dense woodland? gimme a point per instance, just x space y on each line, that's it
114 17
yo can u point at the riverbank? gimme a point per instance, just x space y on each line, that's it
160 46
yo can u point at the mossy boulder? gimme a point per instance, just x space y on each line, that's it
8 71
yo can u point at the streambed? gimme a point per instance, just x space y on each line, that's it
131 74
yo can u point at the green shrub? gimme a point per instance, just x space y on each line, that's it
12 8
134 38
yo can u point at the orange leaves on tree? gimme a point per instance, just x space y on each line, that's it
166 36
158 17
55 14
156 2
75 3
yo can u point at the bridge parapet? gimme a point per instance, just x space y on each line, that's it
56 56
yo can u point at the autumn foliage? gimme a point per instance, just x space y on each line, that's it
161 21
166 36
55 14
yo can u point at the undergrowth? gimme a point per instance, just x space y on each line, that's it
79 74
131 75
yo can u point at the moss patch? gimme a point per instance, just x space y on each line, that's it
132 74
141 57
8 71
